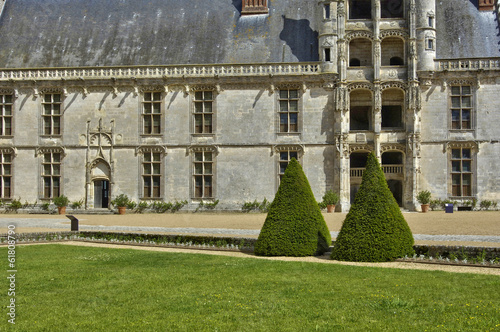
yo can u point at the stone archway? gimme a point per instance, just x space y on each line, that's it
99 186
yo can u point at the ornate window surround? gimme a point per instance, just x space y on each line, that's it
473 107
4 93
140 152
192 151
40 153
12 152
152 90
192 90
474 149
300 91
51 91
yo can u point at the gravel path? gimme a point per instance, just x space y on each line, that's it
58 223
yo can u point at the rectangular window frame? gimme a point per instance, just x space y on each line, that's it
6 175
6 115
326 11
462 170
286 114
430 44
203 113
52 112
152 175
203 175
151 101
51 174
458 110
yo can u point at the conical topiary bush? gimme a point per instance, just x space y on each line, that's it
374 230
294 225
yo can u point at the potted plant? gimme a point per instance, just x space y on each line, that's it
424 198
330 199
61 202
121 202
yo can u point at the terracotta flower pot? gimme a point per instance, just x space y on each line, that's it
330 208
425 207
122 209
61 209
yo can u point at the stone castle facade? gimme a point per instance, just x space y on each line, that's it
341 79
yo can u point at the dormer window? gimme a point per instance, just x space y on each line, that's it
252 7
486 4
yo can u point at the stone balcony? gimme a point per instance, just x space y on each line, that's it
387 169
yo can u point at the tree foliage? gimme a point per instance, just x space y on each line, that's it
294 225
374 230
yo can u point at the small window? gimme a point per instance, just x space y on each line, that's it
5 175
289 111
203 174
430 44
203 112
327 11
461 107
151 113
327 55
431 21
52 107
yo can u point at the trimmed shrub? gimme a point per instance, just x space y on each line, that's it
294 225
374 230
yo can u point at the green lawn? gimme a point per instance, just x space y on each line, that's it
68 288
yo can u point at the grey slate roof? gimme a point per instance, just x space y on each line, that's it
64 33
465 32
67 33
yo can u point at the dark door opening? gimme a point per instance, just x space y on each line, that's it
101 194
396 188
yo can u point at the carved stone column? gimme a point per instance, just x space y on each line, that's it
342 145
377 108
341 43
376 41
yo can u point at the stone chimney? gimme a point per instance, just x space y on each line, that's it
252 7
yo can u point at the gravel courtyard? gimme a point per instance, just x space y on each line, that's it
478 228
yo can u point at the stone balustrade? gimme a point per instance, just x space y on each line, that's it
468 64
387 169
162 71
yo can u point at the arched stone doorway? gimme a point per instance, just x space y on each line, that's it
100 185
